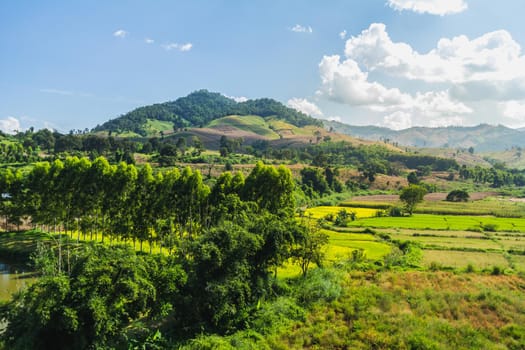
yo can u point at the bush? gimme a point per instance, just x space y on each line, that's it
319 285
496 271
277 314
490 227
458 196
395 212
470 268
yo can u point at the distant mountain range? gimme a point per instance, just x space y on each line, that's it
483 138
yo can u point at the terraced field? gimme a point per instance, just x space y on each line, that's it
447 241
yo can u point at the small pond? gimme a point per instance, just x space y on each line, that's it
12 278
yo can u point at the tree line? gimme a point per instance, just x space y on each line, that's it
135 203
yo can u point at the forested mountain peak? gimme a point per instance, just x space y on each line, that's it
198 109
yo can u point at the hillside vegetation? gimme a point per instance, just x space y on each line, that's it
197 110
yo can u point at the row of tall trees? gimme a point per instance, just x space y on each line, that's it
130 203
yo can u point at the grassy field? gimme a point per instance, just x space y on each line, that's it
494 206
444 222
461 259
250 123
154 127
451 242
414 310
322 211
341 245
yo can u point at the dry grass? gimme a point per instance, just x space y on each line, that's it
461 259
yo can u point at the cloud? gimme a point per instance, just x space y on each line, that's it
446 121
398 120
10 125
301 29
121 33
149 41
334 118
492 57
342 35
66 93
345 82
433 7
305 106
179 47
460 81
515 112
186 47
237 98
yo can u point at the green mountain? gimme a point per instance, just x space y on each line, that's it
483 138
198 109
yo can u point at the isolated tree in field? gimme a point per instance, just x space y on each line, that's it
458 196
411 196
308 246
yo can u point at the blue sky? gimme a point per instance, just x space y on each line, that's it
396 63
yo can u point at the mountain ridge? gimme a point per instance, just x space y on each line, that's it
482 137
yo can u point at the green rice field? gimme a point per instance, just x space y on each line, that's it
444 222
452 241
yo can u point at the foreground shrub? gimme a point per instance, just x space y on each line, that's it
319 285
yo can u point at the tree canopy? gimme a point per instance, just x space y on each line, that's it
411 196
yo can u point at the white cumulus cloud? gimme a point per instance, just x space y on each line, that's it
434 7
342 34
149 41
237 98
121 33
460 81
345 82
398 120
179 47
10 125
492 57
515 112
301 29
305 106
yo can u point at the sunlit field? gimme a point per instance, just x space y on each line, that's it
444 222
322 211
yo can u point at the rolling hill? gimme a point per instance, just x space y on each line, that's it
198 109
483 138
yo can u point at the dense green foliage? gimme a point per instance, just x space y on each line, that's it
457 196
130 203
497 176
411 196
201 107
224 245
